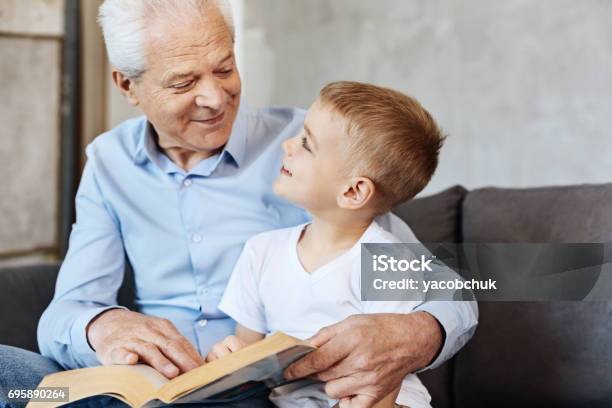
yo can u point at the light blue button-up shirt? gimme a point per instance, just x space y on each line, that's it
182 232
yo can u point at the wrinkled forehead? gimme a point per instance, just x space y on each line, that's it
181 37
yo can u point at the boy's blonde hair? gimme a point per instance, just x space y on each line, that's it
394 141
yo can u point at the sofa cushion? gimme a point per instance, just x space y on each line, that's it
435 218
546 353
25 292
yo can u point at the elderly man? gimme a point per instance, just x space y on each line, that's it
179 191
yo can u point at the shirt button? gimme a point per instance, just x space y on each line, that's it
202 322
187 182
196 238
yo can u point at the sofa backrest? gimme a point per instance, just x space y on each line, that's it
547 353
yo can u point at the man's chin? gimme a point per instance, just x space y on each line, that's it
211 140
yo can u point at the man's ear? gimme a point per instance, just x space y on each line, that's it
357 194
126 86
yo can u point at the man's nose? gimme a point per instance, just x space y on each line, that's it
210 95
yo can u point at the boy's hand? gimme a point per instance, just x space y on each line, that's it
229 345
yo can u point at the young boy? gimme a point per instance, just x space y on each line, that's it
363 150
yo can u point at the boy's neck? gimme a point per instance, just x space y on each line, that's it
328 237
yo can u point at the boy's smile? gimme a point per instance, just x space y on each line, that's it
284 171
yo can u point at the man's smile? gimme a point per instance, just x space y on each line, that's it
211 121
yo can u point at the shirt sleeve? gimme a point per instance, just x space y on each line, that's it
88 280
241 300
458 318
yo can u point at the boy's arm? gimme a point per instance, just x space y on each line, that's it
248 336
241 302
231 344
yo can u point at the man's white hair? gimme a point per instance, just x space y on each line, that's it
124 22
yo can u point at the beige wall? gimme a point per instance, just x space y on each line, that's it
521 87
31 35
31 40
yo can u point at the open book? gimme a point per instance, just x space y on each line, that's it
234 376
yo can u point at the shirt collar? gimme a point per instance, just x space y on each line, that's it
146 148
235 147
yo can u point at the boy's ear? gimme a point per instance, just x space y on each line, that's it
357 194
126 86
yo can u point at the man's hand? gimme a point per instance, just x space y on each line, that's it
122 337
229 345
365 357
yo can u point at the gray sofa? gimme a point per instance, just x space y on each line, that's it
522 355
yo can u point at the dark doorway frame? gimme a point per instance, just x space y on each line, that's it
71 121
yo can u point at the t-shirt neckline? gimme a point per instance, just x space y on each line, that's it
328 267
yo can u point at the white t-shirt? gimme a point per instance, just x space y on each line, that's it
270 291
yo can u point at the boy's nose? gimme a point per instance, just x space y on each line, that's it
287 146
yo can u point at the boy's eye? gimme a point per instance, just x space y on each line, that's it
305 144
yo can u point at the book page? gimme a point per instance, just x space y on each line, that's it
263 374
229 367
130 383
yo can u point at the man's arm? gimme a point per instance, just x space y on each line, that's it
88 281
458 319
79 329
360 368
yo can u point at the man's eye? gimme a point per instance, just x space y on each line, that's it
305 144
225 71
182 85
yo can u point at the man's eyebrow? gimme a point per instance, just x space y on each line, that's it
227 57
310 135
173 76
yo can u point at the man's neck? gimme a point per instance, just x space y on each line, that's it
326 238
182 156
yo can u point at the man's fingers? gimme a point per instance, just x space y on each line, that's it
151 355
341 388
175 352
317 361
168 330
191 350
339 370
348 391
358 401
121 355
323 336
